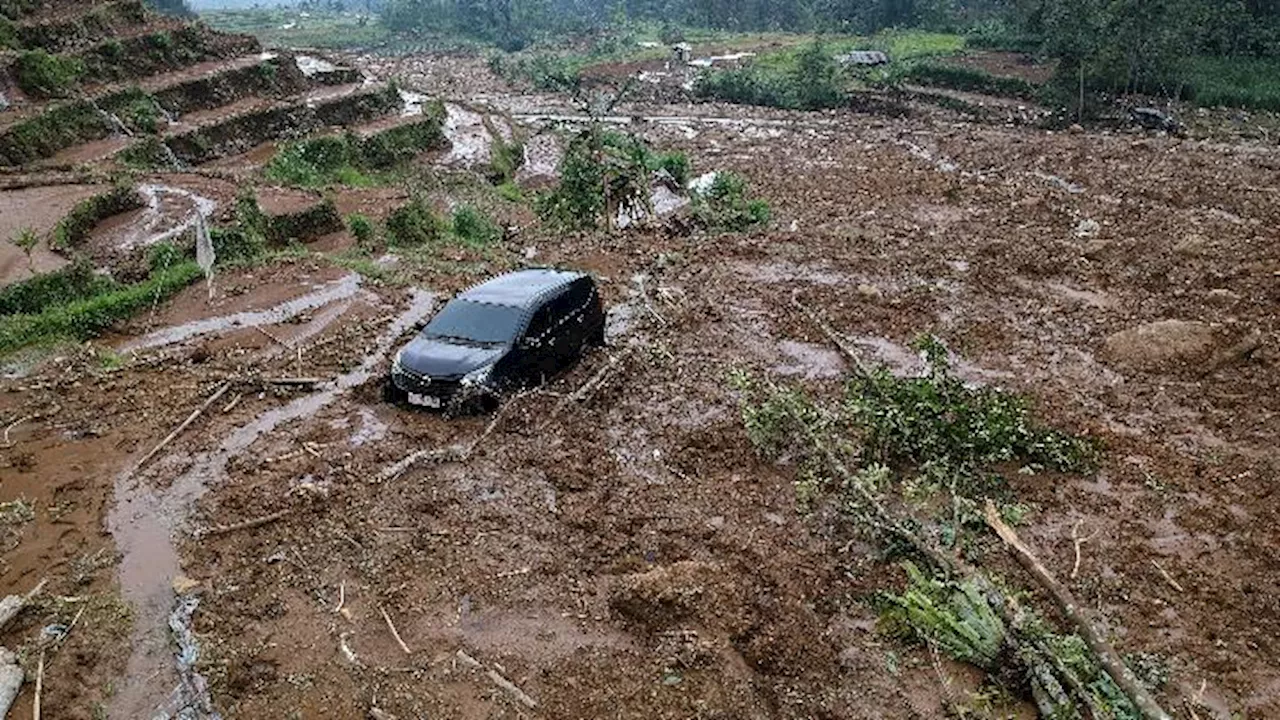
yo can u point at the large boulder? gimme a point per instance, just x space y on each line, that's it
1162 346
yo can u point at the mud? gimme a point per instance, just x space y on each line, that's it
631 555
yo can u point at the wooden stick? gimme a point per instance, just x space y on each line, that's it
510 687
342 596
832 335
1078 542
305 381
35 705
246 525
1107 657
395 633
1168 577
190 419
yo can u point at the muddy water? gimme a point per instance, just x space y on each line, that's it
170 211
145 520
340 290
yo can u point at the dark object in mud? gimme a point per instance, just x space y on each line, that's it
1153 119
514 331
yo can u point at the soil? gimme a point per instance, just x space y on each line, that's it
1008 64
630 555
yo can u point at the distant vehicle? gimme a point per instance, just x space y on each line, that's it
869 58
514 331
1153 119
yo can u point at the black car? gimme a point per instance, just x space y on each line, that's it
513 331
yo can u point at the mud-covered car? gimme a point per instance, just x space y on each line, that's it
513 331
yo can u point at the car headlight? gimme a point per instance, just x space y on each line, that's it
396 365
477 377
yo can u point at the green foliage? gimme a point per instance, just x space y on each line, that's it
414 224
72 229
968 79
474 228
82 318
74 282
164 255
556 73
139 112
955 616
808 80
507 157
726 206
237 245
937 419
352 160
363 230
26 240
149 153
43 75
60 127
675 164
9 39
1252 83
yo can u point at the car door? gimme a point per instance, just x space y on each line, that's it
538 346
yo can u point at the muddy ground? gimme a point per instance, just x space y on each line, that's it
629 554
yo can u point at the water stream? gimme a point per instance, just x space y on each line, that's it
145 520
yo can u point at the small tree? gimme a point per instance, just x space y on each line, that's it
27 241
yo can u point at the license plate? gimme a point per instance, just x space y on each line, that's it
424 400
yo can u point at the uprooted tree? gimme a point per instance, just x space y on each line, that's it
889 454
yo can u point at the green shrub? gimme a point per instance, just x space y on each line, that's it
139 112
80 319
74 282
363 230
44 75
414 224
232 245
75 227
149 153
812 80
61 127
725 206
676 165
474 228
351 160
9 35
165 255
602 172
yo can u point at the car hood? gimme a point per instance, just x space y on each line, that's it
446 360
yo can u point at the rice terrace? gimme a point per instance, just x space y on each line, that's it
402 359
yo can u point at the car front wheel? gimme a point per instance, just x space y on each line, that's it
393 394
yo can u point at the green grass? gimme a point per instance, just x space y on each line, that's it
321 30
353 161
74 282
51 131
43 75
1251 83
84 318
473 228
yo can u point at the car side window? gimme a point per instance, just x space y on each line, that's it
540 325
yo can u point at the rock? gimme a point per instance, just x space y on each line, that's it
1087 228
1192 245
1075 129
1161 346
1223 297
869 291
11 677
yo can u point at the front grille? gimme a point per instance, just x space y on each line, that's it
420 384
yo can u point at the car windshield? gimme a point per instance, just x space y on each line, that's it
475 322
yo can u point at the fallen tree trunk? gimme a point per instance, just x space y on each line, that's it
1066 602
13 604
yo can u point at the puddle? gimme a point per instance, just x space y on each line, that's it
144 521
340 290
810 361
176 207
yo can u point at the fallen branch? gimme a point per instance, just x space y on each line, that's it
395 633
186 423
234 402
342 596
246 525
1168 578
293 381
1066 602
1078 541
35 704
836 339
520 696
11 605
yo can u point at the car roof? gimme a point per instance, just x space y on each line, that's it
523 288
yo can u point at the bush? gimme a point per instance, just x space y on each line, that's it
51 131
83 318
474 228
44 75
362 229
351 160
149 153
74 282
812 80
414 224
724 205
676 165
